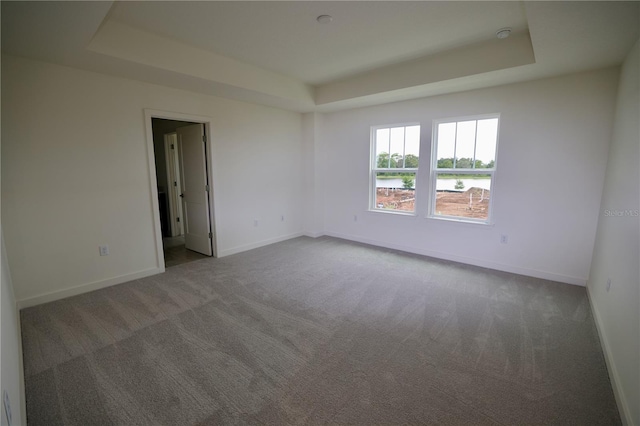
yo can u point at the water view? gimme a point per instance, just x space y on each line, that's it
442 184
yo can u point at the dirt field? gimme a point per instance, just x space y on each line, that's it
395 199
472 203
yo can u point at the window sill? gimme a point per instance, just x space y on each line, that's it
463 221
393 212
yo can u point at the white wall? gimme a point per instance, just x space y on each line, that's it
75 175
617 248
554 137
312 175
11 353
11 372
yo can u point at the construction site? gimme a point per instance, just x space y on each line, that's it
472 203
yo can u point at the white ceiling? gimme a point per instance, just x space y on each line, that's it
275 53
285 36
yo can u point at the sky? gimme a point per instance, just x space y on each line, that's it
401 140
464 137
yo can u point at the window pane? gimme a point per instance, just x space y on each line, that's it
446 144
465 144
397 147
395 191
412 147
382 148
486 142
463 196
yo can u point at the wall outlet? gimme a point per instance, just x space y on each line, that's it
504 239
7 406
104 250
255 222
355 217
608 284
281 218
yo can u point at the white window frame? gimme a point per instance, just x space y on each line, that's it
373 170
435 171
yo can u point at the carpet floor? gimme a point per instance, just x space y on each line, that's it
318 331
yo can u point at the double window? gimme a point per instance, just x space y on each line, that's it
463 162
394 167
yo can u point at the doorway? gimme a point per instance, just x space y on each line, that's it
183 188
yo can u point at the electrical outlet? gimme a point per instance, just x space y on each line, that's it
281 218
608 284
7 407
255 222
355 217
104 250
504 239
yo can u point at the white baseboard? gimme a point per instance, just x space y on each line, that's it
467 260
245 247
85 288
621 401
313 234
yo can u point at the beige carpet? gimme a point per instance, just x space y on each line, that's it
320 331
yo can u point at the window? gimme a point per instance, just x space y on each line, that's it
463 164
394 166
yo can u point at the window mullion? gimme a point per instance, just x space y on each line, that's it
475 146
404 147
455 145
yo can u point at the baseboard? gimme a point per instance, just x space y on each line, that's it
262 243
621 401
313 234
85 288
467 260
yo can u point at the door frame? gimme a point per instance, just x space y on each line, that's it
150 114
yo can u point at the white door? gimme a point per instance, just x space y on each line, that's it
195 194
174 183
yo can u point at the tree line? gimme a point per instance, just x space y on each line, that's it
464 163
410 161
397 161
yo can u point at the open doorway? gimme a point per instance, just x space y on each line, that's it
180 154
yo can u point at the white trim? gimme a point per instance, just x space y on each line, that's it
213 213
484 116
373 164
614 377
469 172
394 212
434 171
394 125
251 246
466 260
313 234
153 188
21 387
85 288
460 219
